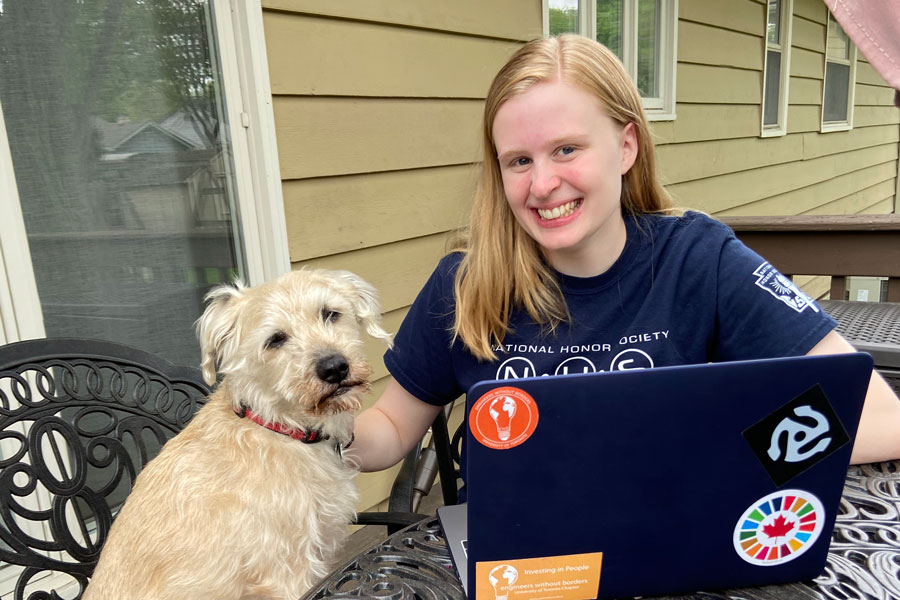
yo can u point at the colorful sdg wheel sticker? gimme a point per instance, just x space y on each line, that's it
779 528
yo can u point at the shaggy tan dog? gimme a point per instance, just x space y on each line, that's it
241 504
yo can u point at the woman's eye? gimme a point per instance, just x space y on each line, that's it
276 340
566 150
521 162
330 316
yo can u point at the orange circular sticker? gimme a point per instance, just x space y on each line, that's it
503 418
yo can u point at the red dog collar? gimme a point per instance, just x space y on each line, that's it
307 437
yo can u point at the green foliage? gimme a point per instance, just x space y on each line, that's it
141 59
563 21
609 25
648 50
610 33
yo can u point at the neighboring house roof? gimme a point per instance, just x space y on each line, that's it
185 125
151 134
176 131
112 134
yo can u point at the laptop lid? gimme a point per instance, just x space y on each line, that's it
658 481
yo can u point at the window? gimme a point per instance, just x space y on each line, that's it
137 169
642 33
840 79
776 75
132 156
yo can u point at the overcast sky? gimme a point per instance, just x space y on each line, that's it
563 4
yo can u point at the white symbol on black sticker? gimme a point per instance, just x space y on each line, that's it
800 436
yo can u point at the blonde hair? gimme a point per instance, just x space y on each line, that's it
502 267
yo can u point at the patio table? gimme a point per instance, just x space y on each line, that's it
863 561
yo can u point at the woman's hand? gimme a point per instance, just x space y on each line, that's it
385 433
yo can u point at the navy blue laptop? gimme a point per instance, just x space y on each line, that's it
656 481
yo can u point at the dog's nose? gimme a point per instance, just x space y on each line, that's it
333 368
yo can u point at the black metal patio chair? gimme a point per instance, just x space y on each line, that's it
79 419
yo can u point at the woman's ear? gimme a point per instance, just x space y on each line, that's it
628 146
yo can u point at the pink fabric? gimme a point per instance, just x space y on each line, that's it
874 26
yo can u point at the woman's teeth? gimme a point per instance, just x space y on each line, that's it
560 211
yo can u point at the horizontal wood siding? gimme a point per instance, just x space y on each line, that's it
377 108
380 61
712 156
360 211
346 136
506 19
725 192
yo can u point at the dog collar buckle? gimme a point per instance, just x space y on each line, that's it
340 448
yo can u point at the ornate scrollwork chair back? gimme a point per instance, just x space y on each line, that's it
79 419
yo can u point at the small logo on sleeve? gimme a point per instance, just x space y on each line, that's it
503 418
796 436
779 528
769 279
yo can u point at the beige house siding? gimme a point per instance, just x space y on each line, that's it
377 107
712 158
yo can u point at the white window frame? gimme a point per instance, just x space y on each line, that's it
245 74
251 124
656 109
257 179
20 306
829 126
785 26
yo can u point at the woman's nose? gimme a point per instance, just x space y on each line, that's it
543 180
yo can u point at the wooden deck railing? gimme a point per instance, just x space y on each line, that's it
839 246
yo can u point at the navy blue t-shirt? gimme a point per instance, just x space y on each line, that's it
683 291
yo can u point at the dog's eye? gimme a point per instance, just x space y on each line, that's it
277 340
330 316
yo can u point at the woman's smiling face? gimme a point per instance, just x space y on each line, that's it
562 160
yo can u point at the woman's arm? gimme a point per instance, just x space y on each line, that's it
385 433
878 437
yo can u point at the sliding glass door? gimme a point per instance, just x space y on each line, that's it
124 193
117 130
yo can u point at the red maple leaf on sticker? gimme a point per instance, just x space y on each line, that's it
779 528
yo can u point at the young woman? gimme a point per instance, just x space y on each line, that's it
572 262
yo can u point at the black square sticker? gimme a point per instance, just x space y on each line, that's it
796 436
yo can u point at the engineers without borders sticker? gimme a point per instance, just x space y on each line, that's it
503 418
569 577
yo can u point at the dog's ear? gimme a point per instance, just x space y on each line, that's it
216 328
365 305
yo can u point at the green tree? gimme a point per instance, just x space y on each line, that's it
609 25
563 20
648 51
